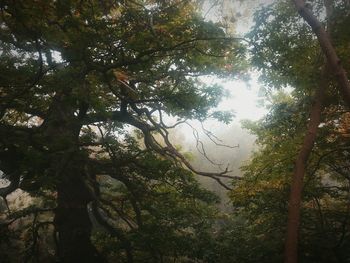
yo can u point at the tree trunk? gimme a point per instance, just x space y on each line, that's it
72 220
291 242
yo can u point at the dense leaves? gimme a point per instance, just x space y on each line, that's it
287 54
86 92
77 78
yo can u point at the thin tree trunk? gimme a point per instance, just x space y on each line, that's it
327 49
291 242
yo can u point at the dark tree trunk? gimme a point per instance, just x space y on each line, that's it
72 220
67 167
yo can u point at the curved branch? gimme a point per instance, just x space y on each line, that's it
151 143
327 48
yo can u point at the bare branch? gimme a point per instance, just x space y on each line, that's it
215 139
151 143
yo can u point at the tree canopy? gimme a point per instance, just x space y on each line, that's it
90 92
75 76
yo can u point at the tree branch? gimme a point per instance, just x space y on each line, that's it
327 48
151 143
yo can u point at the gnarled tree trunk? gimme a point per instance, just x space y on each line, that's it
67 162
72 220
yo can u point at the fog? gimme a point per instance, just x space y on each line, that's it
230 147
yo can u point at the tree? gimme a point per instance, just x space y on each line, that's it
343 83
260 198
76 75
288 54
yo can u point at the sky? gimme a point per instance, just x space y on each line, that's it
243 99
244 96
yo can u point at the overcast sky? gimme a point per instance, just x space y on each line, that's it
244 97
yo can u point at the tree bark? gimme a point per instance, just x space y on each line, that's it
67 168
72 220
333 63
291 242
327 49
